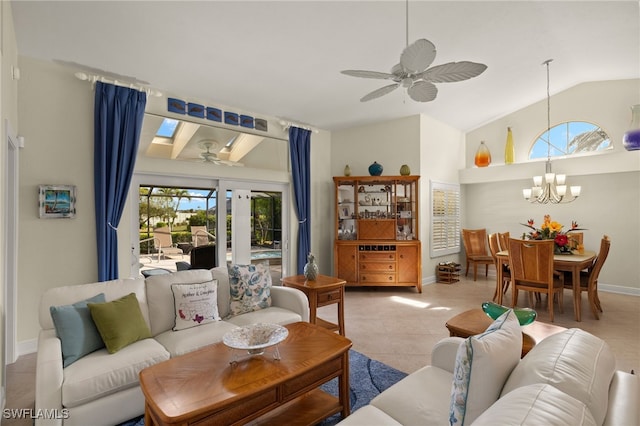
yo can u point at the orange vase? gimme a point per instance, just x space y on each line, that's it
483 156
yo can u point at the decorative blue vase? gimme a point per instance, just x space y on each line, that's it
375 169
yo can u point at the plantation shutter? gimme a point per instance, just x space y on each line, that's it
445 219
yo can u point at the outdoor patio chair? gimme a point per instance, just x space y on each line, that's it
164 243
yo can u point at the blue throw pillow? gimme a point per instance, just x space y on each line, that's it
76 330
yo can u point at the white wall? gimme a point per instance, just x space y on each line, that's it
610 200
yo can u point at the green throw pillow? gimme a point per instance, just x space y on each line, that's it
75 328
120 322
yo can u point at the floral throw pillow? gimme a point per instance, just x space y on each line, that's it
250 288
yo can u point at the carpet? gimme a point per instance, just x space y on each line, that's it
367 378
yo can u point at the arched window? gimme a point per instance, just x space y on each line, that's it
570 138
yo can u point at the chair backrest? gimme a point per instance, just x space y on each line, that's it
605 245
162 237
503 241
204 257
531 260
576 237
199 236
494 246
475 241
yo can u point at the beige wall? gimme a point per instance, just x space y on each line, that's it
610 200
431 149
56 111
8 113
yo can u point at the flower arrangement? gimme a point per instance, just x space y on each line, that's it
552 230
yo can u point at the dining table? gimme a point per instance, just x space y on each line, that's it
574 263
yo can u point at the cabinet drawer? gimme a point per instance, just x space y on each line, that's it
372 229
372 256
329 296
377 277
377 266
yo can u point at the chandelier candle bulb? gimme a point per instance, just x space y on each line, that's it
575 191
562 190
537 181
560 179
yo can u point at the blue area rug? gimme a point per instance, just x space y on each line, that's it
367 378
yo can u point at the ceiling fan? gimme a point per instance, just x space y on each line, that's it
211 157
414 74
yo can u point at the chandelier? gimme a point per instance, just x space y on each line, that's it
554 189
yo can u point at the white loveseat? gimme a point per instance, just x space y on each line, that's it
102 388
567 379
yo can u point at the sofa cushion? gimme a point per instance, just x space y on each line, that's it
574 361
190 339
195 304
536 405
100 374
250 288
421 398
221 274
76 330
272 315
69 294
120 322
160 296
483 364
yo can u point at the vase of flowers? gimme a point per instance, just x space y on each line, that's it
552 230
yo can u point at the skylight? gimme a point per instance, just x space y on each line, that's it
167 128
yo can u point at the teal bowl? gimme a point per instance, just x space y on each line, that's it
525 315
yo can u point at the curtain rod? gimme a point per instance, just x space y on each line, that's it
287 124
93 78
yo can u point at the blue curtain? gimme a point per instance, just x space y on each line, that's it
118 114
300 149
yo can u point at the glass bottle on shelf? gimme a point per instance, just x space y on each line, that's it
509 148
483 156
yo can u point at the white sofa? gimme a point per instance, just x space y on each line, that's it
102 388
567 379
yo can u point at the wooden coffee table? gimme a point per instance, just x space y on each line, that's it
475 321
203 387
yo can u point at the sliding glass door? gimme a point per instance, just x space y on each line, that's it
248 222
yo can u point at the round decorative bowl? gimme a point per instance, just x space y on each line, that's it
255 338
525 315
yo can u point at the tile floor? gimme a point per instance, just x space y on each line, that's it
399 327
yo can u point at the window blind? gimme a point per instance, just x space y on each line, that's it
445 219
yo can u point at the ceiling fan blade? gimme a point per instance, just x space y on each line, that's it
423 91
368 74
453 71
379 92
418 56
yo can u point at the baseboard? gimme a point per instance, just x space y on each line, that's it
26 347
609 288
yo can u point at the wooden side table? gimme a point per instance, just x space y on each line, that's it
323 291
475 321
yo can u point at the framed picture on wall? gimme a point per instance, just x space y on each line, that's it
57 201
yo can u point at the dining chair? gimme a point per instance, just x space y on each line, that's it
531 264
589 278
577 238
503 241
501 288
475 246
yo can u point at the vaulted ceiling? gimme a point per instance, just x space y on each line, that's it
284 59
